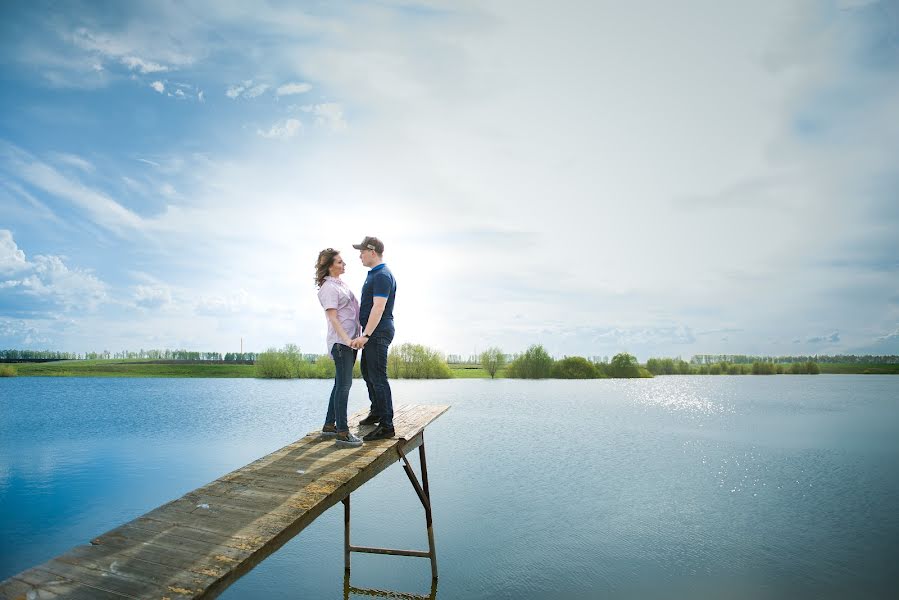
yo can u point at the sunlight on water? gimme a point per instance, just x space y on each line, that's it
688 395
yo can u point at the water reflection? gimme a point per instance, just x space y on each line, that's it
349 589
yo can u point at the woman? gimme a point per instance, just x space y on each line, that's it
342 312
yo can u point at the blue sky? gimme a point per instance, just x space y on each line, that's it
666 180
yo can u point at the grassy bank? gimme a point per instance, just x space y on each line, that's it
149 368
132 368
859 369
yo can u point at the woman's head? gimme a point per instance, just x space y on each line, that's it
329 263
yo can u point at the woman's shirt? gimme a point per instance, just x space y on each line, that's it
334 293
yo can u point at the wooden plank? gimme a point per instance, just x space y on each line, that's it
38 584
197 545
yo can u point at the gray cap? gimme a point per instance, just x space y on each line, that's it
370 243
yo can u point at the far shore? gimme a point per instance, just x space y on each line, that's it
202 369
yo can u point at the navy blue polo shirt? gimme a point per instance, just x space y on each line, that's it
379 283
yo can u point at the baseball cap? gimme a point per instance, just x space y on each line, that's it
370 243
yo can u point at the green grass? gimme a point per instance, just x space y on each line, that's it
463 371
131 368
856 368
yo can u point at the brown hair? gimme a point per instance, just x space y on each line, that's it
323 264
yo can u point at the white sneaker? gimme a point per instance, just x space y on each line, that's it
347 440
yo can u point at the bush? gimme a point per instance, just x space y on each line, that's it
7 371
574 367
813 368
625 365
414 361
535 363
763 368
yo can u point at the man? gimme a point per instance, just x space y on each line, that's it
376 317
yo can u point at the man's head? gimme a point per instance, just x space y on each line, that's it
371 251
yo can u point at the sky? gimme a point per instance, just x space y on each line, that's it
666 179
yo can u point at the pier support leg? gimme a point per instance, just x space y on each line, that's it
346 534
424 495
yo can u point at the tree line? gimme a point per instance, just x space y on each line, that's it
744 359
13 354
676 366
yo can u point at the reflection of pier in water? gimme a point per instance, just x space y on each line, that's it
198 545
376 593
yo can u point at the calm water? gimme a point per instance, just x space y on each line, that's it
742 487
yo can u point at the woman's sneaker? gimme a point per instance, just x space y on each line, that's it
347 440
329 431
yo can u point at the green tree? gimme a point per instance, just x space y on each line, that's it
414 361
535 363
624 365
492 360
280 364
574 367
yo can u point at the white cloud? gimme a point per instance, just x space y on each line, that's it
282 130
246 89
289 89
75 161
327 114
152 296
103 210
200 97
158 86
142 66
48 278
12 259
256 90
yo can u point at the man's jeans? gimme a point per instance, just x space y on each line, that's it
344 359
374 372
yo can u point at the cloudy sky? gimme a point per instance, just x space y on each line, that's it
657 177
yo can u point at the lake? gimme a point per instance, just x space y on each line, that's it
683 486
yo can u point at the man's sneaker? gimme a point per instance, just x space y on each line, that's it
380 433
371 419
347 440
329 431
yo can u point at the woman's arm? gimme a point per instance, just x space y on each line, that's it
331 313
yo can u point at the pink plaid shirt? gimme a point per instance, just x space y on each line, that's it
334 293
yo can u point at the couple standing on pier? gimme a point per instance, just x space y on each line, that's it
354 326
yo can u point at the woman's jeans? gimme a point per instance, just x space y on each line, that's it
374 372
344 359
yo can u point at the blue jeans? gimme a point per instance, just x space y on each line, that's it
344 359
374 372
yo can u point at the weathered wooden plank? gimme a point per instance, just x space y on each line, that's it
197 545
105 562
128 537
37 584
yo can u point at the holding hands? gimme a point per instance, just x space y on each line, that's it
359 342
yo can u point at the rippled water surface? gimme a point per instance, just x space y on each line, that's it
742 487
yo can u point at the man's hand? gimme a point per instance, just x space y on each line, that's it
358 343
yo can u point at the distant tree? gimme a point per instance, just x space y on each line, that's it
624 365
492 360
535 363
414 361
574 367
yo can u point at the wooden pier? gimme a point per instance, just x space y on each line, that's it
198 545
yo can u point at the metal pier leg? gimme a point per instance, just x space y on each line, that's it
424 480
346 534
424 495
